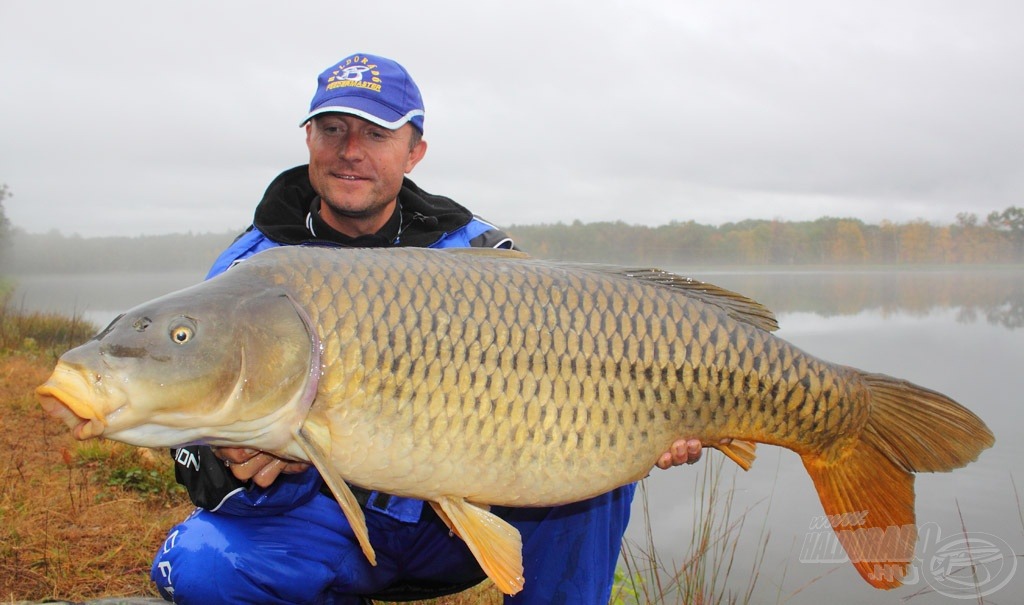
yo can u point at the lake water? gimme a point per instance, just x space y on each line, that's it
961 333
98 298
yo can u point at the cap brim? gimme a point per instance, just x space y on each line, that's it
367 109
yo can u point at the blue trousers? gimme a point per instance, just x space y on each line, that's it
309 554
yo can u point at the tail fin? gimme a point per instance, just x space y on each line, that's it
868 490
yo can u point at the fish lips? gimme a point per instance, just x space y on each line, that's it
58 397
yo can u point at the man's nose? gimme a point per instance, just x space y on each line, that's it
349 147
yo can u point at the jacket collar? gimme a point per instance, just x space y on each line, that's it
421 218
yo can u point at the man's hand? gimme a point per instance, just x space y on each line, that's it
262 468
683 451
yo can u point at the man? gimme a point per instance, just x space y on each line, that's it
267 530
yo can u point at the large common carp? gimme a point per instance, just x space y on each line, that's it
515 381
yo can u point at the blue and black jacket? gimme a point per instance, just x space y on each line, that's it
287 215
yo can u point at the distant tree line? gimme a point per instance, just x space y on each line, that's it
826 241
54 252
999 239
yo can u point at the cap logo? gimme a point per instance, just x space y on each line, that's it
373 88
351 73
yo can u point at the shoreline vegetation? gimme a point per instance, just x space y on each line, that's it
999 240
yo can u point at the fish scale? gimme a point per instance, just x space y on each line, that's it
470 378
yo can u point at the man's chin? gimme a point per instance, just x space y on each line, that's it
348 212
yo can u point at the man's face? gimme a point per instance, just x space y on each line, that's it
357 168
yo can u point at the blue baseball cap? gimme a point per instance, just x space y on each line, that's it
373 88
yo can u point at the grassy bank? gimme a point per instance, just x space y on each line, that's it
77 520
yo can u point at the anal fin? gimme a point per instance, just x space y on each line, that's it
496 545
741 452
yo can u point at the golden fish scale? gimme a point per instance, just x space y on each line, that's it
447 372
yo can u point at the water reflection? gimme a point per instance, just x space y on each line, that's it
992 295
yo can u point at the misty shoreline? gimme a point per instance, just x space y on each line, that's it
825 244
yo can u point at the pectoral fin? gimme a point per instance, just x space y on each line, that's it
496 545
318 456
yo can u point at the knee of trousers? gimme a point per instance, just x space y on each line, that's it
205 563
184 573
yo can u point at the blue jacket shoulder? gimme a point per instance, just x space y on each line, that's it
477 233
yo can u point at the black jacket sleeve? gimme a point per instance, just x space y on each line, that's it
204 476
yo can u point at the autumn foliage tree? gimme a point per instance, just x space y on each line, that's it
838 241
1010 221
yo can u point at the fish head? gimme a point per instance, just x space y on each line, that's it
209 364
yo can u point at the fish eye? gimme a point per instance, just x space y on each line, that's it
181 334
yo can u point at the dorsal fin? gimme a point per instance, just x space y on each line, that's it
735 305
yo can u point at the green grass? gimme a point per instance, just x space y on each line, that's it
142 471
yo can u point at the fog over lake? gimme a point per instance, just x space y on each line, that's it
958 332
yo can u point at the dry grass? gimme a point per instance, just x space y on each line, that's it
73 522
65 531
483 594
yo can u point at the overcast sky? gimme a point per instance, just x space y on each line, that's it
128 117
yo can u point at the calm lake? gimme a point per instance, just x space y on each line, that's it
958 332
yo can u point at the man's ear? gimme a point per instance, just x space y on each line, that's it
415 155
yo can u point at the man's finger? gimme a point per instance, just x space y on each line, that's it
268 472
249 468
693 451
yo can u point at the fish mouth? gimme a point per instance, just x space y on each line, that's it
58 399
